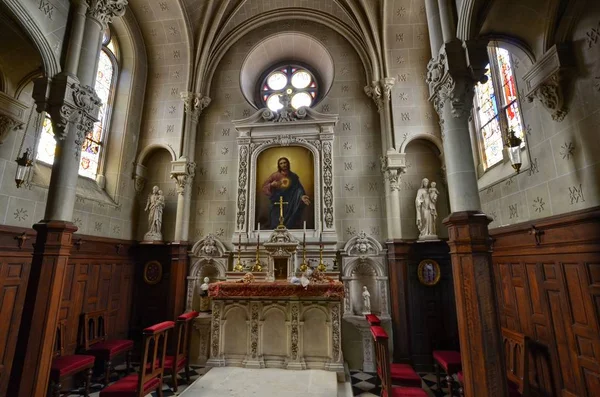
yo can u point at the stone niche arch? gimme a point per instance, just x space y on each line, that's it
363 263
209 258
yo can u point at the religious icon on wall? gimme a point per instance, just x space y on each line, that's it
285 173
429 272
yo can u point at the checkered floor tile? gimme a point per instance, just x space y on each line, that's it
196 373
366 384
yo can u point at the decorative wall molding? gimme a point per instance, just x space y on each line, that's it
546 80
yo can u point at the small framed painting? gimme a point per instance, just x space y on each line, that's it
429 272
152 272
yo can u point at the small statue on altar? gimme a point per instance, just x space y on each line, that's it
366 301
204 298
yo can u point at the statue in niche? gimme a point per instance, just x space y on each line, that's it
426 212
366 295
204 298
285 183
155 205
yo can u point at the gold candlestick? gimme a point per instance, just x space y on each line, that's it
238 266
257 266
321 267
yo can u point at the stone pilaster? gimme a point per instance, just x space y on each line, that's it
451 78
182 172
194 104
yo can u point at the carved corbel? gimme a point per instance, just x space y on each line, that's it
546 81
183 172
393 165
380 91
8 124
139 177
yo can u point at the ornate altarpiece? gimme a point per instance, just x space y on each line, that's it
263 130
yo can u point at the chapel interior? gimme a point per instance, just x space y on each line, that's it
403 195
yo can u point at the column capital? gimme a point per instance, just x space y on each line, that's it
452 75
67 102
194 103
380 91
183 172
104 11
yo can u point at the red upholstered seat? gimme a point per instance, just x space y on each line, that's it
448 359
406 392
378 332
188 316
127 387
403 374
169 362
156 328
373 319
109 348
66 365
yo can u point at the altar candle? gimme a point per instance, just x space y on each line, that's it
239 240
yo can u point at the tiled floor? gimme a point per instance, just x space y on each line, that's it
363 385
196 373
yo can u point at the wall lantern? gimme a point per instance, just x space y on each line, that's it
513 146
23 164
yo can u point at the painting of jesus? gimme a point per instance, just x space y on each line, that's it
291 180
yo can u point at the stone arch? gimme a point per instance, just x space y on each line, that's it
435 140
367 54
50 59
515 46
150 149
201 264
350 269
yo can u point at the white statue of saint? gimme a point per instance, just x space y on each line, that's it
204 298
366 301
425 215
154 206
433 196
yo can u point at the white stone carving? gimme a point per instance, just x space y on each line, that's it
194 104
154 206
425 203
8 124
380 91
104 11
366 301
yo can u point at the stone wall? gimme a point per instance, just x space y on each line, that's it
358 179
564 165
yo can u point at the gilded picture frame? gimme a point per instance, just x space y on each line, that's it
429 272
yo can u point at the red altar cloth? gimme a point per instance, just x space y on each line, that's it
225 289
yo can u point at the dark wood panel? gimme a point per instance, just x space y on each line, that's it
555 282
99 274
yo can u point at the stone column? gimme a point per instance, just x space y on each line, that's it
194 104
392 163
72 104
434 26
451 78
183 172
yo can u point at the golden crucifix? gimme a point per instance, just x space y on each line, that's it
281 203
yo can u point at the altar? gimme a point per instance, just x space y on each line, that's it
277 325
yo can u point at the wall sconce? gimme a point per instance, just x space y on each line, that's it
513 146
23 164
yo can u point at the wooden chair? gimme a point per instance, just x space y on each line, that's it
152 366
516 350
372 319
64 366
451 362
382 355
96 342
401 374
174 364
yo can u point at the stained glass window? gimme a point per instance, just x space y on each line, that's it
497 107
93 144
292 80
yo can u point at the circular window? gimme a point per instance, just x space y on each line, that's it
297 82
